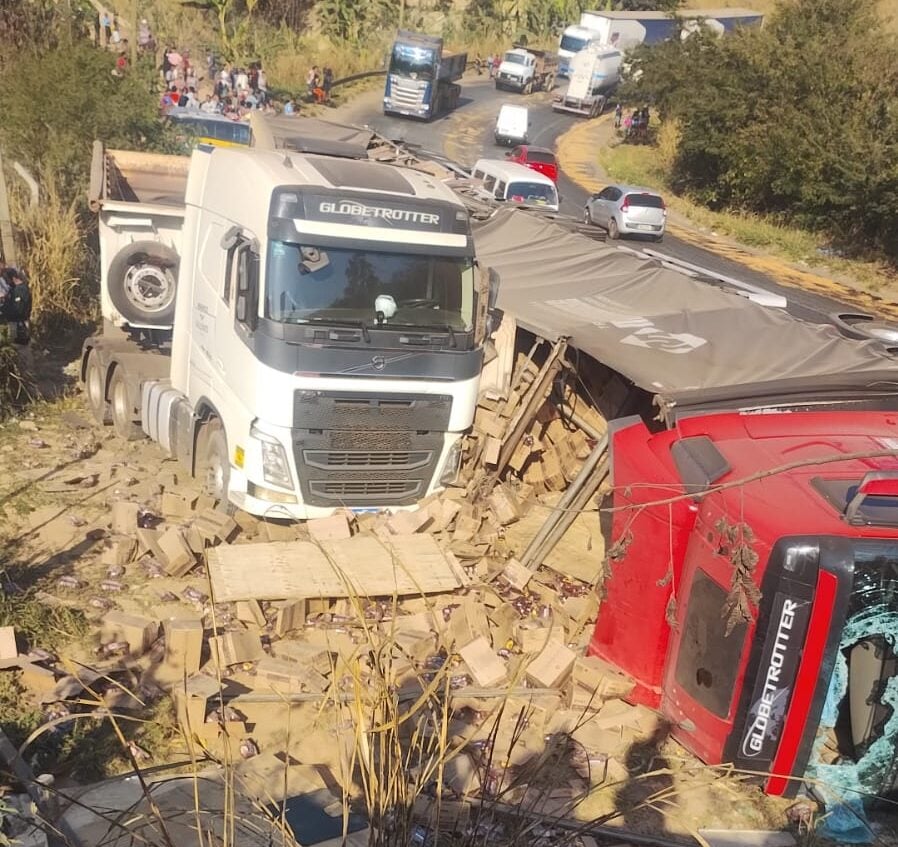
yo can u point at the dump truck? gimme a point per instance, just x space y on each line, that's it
303 332
422 77
595 73
527 70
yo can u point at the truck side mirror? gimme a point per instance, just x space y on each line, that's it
231 237
493 289
247 303
488 318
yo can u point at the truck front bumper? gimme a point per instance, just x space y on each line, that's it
391 108
514 83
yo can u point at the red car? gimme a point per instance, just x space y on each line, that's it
537 158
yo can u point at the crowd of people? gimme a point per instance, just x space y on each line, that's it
635 125
235 90
231 91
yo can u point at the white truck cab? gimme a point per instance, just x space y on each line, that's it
326 343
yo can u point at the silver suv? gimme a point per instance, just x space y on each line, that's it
627 210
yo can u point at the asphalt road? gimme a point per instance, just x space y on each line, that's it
467 134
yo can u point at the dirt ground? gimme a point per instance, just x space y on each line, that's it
60 474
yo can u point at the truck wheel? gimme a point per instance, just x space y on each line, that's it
95 389
550 83
214 465
143 280
122 411
528 88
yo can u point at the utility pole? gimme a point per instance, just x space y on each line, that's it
401 13
7 239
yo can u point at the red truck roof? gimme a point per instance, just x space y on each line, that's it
755 443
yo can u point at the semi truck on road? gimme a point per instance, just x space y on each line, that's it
303 332
422 77
595 72
527 70
625 30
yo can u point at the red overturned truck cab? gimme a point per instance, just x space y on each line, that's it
753 589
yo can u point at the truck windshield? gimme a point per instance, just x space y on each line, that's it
515 59
308 284
860 719
532 193
414 62
573 44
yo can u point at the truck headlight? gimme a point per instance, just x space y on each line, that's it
275 466
452 464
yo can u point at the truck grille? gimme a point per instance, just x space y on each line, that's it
367 459
370 449
406 95
361 491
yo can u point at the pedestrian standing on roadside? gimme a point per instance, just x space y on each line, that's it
106 24
618 115
491 64
311 78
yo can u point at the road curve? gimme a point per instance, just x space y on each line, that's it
466 134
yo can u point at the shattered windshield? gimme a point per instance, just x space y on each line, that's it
855 752
414 62
308 284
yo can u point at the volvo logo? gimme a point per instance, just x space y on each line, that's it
378 363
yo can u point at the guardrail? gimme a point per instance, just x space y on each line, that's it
356 77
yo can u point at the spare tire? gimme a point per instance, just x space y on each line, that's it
143 280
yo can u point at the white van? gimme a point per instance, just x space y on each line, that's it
514 183
512 125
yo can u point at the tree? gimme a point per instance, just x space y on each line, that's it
55 103
669 6
799 119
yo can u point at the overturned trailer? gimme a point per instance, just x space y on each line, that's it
751 588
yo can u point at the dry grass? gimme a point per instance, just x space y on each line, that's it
55 256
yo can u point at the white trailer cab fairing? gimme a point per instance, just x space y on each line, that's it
327 334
